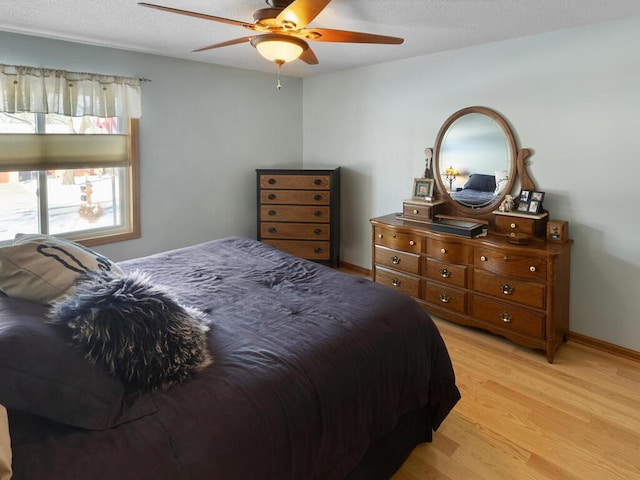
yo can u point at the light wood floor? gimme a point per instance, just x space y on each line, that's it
522 418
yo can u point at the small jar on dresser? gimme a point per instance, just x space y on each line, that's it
299 211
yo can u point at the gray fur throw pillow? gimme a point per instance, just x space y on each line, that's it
137 330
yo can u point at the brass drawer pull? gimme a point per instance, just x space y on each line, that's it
271 181
395 282
272 196
505 317
443 250
317 181
412 243
444 273
506 289
532 269
317 198
272 230
395 260
483 258
317 250
318 231
272 213
317 213
444 298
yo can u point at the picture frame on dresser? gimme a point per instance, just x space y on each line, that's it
423 188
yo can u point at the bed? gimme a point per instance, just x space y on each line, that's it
481 189
315 374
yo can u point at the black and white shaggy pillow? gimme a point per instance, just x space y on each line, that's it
137 330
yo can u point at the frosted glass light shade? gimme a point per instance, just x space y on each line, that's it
279 48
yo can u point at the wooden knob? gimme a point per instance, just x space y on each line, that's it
532 268
443 250
483 258
415 211
412 243
513 225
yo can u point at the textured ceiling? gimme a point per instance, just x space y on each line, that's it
428 26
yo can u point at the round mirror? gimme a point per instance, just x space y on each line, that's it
475 160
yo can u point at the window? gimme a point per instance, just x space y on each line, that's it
71 176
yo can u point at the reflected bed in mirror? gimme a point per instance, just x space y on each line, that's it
475 160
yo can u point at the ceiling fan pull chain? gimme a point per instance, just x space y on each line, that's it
279 86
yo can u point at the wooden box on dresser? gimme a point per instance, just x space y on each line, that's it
518 291
299 212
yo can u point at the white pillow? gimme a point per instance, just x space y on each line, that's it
5 446
42 268
502 178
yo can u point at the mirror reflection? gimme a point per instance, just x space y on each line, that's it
475 153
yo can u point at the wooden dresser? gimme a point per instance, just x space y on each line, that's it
299 212
518 291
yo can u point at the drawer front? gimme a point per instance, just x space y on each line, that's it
510 289
406 262
447 273
448 251
301 182
407 242
314 250
507 224
302 231
522 266
296 197
444 296
405 283
289 213
509 317
419 212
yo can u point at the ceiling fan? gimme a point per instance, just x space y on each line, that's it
281 30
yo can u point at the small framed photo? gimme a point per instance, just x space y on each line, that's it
423 189
523 206
525 196
537 196
534 206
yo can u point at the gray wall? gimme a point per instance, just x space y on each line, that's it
204 130
573 97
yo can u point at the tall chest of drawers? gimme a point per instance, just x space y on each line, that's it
518 291
299 212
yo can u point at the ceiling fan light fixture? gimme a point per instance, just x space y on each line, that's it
279 48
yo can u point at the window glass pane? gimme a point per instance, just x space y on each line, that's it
84 199
18 204
83 125
17 122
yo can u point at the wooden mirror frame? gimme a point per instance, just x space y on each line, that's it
516 168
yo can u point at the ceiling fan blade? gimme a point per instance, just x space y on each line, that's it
301 13
225 44
198 15
329 35
309 57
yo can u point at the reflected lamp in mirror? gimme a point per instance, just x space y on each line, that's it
450 175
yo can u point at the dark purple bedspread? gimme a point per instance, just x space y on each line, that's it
311 366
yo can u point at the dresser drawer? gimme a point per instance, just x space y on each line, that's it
528 226
314 250
302 231
509 317
510 289
421 211
522 266
405 283
294 213
298 197
292 182
407 242
444 296
406 262
448 273
448 251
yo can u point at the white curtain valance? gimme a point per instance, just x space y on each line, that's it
73 94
